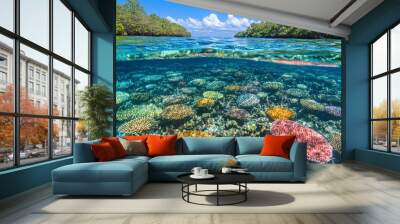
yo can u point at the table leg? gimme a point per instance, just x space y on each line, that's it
195 188
245 193
217 194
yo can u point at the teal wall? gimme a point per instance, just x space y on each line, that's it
99 15
357 85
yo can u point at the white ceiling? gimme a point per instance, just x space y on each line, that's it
324 16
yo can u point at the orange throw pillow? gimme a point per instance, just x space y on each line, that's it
277 146
116 145
103 152
136 138
161 145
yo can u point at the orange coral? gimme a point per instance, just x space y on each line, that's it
279 113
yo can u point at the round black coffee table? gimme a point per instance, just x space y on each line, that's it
238 179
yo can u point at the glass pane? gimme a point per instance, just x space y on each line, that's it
379 135
6 142
395 132
35 21
379 55
81 131
33 139
7 14
395 94
34 97
395 47
81 45
6 74
62 29
379 97
62 138
81 82
62 89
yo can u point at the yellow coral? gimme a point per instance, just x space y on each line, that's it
205 102
280 113
193 133
232 88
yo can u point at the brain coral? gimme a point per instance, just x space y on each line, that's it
205 102
177 113
312 105
213 95
280 113
318 148
138 126
247 100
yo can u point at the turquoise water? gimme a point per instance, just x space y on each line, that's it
223 87
320 50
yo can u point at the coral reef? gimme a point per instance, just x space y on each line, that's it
232 88
279 113
311 105
295 92
334 111
138 126
193 133
272 85
336 141
247 100
205 102
238 114
213 95
148 110
318 148
176 113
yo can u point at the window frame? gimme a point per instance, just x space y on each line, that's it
388 74
16 114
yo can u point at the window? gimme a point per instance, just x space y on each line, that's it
35 21
81 45
7 14
385 94
62 29
47 77
6 73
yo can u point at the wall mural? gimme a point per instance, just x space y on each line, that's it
197 72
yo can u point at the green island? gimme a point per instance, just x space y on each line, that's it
132 20
272 30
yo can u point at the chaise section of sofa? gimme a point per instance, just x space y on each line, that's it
88 177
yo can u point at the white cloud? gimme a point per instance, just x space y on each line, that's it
212 22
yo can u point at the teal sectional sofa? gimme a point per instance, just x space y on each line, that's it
125 176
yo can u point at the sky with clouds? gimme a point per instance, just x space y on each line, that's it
200 22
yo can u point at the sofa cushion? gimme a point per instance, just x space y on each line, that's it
103 152
257 163
116 145
248 145
185 163
160 145
277 145
112 171
205 145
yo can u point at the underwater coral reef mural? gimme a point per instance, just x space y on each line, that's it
196 72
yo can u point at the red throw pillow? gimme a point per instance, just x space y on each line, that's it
277 145
161 145
103 152
136 138
116 145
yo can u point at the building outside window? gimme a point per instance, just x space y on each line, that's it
58 130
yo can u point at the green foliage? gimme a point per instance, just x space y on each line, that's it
272 30
132 20
97 102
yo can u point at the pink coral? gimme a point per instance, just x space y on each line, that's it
318 148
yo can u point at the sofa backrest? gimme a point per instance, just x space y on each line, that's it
208 145
249 145
83 152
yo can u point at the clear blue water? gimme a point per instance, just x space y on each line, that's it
319 50
155 73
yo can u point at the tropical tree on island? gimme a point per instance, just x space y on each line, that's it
272 30
132 20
